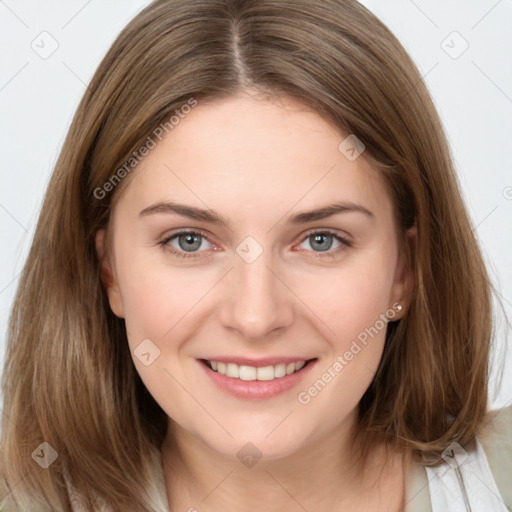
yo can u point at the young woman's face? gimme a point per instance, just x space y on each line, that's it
249 238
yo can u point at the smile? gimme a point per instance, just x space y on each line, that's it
256 382
248 373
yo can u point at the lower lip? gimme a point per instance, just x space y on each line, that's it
258 389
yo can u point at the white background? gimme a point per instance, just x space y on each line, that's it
472 92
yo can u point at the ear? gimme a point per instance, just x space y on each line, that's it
403 285
107 274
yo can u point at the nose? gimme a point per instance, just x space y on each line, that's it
256 302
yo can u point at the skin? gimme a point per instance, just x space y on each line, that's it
257 162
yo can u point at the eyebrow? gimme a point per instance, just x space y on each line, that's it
211 216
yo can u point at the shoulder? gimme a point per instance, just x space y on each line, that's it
495 436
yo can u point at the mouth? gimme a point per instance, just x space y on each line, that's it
260 373
256 382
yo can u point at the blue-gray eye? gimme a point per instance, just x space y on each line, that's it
186 244
189 242
321 241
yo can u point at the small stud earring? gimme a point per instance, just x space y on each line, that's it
399 307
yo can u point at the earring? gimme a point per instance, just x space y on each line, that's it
391 313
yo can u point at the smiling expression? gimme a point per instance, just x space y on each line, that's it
248 239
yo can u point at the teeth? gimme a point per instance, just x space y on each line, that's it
252 373
232 370
265 373
279 370
247 373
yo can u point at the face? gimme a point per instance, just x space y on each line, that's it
248 238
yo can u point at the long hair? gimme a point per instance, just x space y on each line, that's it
69 380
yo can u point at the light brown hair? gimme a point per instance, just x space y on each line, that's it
69 379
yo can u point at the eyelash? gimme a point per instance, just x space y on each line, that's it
327 254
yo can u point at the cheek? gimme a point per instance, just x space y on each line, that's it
351 297
156 297
352 301
352 304
159 305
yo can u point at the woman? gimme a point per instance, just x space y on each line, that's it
253 284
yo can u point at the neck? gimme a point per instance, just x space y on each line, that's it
321 475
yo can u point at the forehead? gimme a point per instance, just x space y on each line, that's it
243 153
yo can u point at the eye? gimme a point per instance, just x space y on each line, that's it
323 241
184 244
188 243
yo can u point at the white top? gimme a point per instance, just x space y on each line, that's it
464 482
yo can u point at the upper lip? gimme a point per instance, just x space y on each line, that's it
266 361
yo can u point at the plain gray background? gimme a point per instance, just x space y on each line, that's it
51 49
